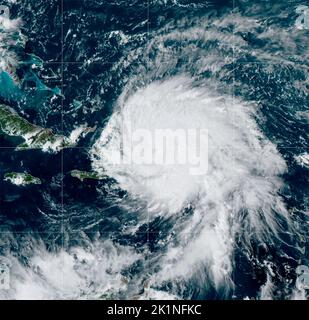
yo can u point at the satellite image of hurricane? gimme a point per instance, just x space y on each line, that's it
154 149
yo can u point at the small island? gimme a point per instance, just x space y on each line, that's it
82 175
21 178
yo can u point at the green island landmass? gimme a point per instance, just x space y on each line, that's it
21 178
35 136
81 175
